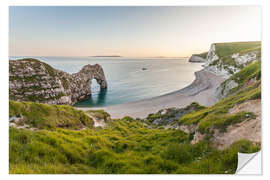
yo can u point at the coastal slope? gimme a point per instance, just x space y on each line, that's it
57 139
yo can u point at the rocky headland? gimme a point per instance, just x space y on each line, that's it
196 59
33 80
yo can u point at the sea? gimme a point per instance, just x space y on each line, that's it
129 79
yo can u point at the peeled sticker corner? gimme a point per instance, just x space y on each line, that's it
249 164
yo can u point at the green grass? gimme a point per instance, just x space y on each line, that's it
227 49
248 73
126 146
49 116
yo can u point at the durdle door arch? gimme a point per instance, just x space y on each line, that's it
55 86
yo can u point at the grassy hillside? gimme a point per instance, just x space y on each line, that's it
45 116
227 49
126 146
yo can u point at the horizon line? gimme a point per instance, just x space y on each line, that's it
100 56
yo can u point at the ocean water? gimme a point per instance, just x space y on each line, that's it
127 81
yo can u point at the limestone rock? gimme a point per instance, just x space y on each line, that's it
245 58
225 87
32 80
196 59
215 64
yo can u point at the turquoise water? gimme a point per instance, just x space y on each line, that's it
127 81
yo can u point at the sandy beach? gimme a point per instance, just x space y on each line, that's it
201 90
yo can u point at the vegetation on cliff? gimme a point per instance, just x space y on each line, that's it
251 74
243 86
232 57
217 116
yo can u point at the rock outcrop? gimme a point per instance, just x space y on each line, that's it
196 59
225 87
244 58
32 80
215 65
228 65
168 118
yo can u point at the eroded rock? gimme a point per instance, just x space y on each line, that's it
32 80
196 59
222 91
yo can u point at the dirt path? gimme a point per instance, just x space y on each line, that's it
97 122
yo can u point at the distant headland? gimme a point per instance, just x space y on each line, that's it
106 56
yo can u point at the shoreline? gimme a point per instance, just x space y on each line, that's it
201 90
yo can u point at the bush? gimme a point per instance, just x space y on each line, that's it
180 153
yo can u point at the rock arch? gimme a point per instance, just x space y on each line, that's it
95 72
83 80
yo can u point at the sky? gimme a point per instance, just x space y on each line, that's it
128 31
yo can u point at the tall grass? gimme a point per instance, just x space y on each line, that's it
126 146
45 116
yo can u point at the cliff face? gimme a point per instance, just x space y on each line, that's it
216 66
196 59
229 58
32 80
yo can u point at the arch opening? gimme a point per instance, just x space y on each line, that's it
98 94
95 86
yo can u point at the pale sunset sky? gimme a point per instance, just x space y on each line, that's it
128 31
